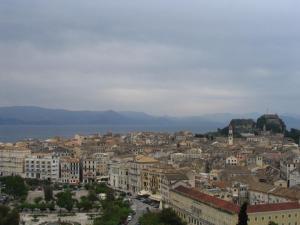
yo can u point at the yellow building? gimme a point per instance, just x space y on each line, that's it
197 208
139 163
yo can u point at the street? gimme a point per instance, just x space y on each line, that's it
140 208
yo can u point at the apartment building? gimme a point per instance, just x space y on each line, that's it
94 167
119 175
12 160
42 166
136 165
70 170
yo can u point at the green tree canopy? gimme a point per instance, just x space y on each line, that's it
65 200
48 193
15 186
165 217
9 217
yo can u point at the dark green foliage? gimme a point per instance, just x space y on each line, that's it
15 186
294 134
48 193
114 212
8 217
85 203
37 200
272 223
42 206
97 188
65 200
92 196
165 217
272 123
34 183
207 167
243 217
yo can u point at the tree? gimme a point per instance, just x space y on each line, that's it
48 193
166 217
15 186
8 216
84 203
37 200
65 200
92 196
243 217
207 167
272 223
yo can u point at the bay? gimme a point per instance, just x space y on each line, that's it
13 133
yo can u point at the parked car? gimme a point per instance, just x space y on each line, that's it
129 218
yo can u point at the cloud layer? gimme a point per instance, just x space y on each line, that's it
162 57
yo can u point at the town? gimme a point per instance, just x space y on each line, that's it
204 178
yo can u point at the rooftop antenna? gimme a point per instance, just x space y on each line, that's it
267 111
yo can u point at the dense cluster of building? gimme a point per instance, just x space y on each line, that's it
204 179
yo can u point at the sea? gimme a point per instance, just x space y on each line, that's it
13 133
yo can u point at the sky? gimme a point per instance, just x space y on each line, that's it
165 57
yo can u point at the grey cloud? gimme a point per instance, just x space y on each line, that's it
164 57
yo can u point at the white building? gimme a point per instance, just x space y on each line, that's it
119 175
287 165
294 177
42 166
231 160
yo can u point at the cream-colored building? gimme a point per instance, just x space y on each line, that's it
12 160
94 166
197 208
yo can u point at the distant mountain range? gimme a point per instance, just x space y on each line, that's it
31 115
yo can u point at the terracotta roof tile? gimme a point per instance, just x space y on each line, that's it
273 207
231 207
207 199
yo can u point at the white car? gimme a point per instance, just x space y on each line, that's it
129 218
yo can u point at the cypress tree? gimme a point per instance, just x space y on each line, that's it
243 217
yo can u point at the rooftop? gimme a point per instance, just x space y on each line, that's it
231 207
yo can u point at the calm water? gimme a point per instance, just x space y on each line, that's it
11 133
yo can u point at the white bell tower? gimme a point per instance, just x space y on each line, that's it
230 135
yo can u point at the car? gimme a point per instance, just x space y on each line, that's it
129 218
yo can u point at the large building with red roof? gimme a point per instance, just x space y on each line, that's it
198 208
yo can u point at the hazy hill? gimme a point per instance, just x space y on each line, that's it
18 115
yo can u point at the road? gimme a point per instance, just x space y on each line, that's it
140 208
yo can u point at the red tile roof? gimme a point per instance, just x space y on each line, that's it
273 207
208 199
231 207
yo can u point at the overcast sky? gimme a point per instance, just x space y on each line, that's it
159 56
